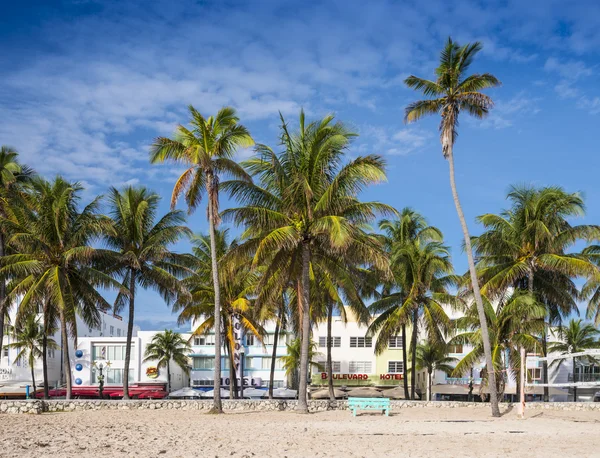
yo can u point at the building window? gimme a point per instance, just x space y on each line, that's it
395 367
250 340
50 353
361 342
112 330
360 367
204 340
336 367
5 352
535 374
276 384
455 348
203 363
113 376
203 382
395 342
336 342
118 332
112 352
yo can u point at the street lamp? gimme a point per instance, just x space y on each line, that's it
100 367
242 357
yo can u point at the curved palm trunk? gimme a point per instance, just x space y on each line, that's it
404 362
129 334
65 353
274 354
3 305
303 383
575 379
234 390
217 405
413 349
45 351
329 363
485 336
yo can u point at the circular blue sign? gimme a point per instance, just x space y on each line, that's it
78 381
78 367
79 353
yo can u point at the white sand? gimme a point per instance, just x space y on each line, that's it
409 432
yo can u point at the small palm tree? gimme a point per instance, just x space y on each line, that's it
291 362
12 173
452 92
433 357
143 255
206 150
575 338
29 339
169 346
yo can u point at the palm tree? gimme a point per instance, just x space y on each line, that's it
206 150
423 273
526 247
515 322
452 92
54 263
293 358
11 173
575 338
237 286
169 346
433 357
29 339
144 258
307 211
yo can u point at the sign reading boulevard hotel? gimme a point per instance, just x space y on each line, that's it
360 376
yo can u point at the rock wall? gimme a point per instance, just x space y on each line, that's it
40 406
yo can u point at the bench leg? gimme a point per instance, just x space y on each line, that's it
387 412
354 412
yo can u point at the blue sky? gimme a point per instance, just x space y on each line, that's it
85 87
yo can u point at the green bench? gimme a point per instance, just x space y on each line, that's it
382 404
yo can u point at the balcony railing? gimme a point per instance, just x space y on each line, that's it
584 377
462 381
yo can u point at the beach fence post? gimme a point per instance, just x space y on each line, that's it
522 385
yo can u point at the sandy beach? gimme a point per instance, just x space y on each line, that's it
415 432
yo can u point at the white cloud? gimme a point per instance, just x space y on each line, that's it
390 141
506 111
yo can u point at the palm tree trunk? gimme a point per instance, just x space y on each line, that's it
274 354
545 363
303 383
413 349
132 280
404 362
168 377
217 405
45 350
428 384
65 352
233 385
329 363
32 364
2 297
485 336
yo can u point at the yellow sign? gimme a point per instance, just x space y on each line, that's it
152 372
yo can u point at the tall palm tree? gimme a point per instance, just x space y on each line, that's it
575 338
169 346
452 92
12 173
433 357
423 272
54 262
206 149
29 339
307 210
237 284
144 257
515 322
526 247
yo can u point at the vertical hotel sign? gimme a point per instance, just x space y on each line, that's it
237 344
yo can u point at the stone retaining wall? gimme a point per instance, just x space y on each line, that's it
40 406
